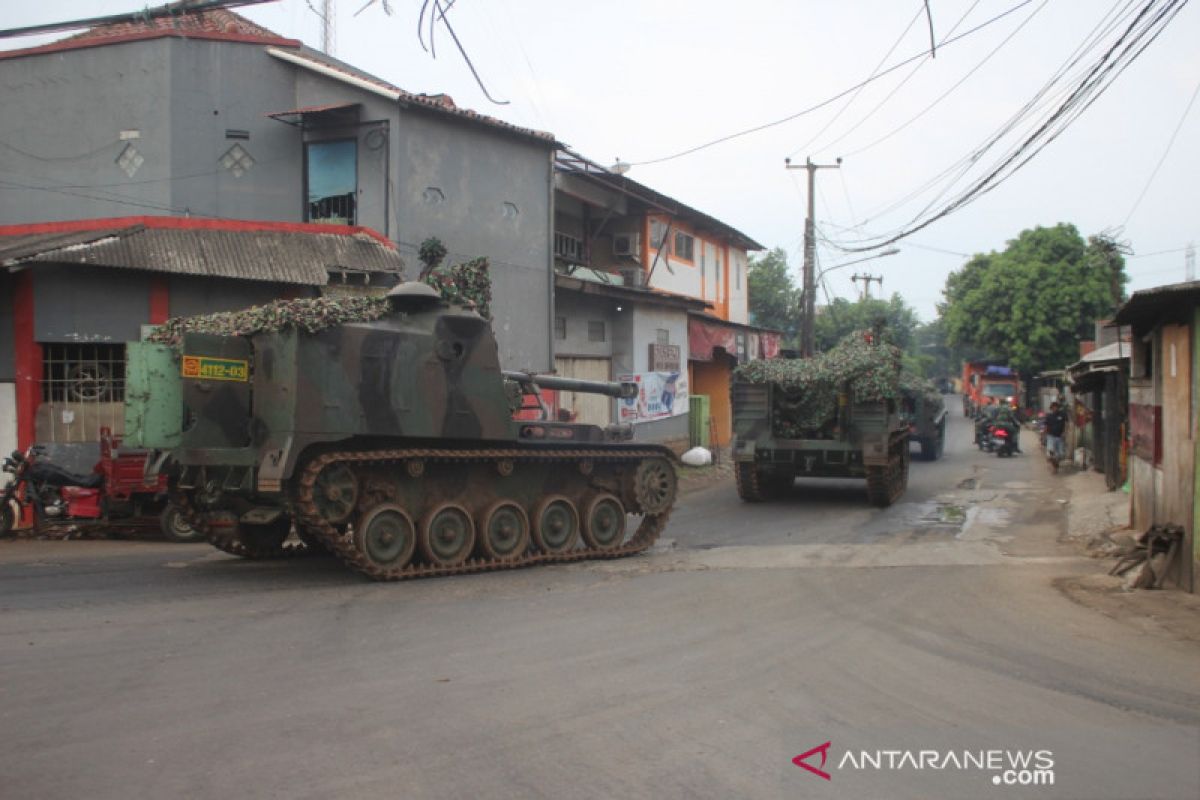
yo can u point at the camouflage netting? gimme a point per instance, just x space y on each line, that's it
921 387
308 314
467 284
806 406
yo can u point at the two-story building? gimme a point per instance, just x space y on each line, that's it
674 297
206 117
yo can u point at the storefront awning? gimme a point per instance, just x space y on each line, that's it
743 342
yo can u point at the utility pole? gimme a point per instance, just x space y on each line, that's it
810 254
866 278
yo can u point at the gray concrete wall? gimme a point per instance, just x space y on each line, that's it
74 303
222 86
190 294
477 173
579 310
61 127
64 114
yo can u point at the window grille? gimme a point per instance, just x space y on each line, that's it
596 331
83 390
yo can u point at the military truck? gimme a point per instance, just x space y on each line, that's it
922 407
837 417
388 440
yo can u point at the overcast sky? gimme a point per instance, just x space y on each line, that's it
645 79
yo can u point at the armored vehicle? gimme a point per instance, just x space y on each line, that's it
923 408
833 417
390 443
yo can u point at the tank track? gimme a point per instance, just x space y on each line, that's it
885 485
226 539
341 544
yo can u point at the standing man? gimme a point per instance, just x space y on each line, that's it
1056 426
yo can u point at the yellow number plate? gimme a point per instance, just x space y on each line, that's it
206 368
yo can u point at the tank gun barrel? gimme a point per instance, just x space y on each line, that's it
618 389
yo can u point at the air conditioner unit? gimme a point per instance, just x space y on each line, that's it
626 244
634 277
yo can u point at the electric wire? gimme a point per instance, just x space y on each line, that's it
1166 152
1146 27
829 100
896 89
940 98
1042 99
849 102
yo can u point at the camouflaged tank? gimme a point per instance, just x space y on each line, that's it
392 445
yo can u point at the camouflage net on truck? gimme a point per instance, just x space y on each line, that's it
915 386
807 401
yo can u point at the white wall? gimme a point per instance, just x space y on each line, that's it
739 308
8 423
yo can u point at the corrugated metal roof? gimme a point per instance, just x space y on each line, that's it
1148 307
279 254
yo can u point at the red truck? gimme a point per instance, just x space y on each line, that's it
983 380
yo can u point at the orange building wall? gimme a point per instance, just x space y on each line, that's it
713 379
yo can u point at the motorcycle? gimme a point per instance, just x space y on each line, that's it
116 494
1004 439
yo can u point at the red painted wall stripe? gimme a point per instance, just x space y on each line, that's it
160 299
27 357
191 224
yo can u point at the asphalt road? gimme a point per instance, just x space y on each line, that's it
751 635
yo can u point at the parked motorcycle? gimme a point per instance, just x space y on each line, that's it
117 493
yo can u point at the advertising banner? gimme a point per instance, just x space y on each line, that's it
660 395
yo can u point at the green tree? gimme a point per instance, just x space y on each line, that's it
894 317
774 298
1031 304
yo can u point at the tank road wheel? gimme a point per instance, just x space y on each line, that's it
654 485
385 535
447 535
335 493
504 531
265 541
555 524
604 523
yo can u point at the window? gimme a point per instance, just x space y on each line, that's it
685 246
596 331
331 181
658 232
560 328
663 336
83 389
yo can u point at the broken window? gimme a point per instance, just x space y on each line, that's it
331 181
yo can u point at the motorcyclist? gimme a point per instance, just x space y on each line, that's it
1008 415
1055 426
984 419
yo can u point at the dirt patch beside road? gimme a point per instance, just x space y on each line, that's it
1173 613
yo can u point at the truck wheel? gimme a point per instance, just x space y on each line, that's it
748 487
175 527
